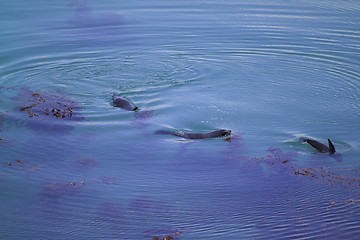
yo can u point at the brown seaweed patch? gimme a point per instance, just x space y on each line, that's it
352 205
58 191
48 105
276 156
163 233
44 111
21 165
284 161
328 175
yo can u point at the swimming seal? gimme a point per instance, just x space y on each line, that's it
319 146
123 103
214 134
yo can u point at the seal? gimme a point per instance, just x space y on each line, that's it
215 134
123 103
319 146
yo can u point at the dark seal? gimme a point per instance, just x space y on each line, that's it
319 146
123 103
215 134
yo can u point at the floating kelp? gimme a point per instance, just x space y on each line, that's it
276 156
328 175
58 191
47 105
47 110
23 166
279 160
163 233
352 205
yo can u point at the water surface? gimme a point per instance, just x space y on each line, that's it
73 166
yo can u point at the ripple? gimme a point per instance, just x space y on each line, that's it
266 69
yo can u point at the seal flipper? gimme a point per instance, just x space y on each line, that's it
331 147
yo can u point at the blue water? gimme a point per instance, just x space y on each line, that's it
271 71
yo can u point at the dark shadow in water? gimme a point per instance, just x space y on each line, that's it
145 207
85 17
84 164
112 213
90 27
337 156
57 191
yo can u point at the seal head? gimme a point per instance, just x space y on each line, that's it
124 104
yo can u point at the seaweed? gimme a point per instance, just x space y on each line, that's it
47 110
86 163
48 105
284 161
161 233
58 191
352 205
328 175
23 166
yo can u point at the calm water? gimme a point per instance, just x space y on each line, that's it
75 167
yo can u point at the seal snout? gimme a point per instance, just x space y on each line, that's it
224 132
